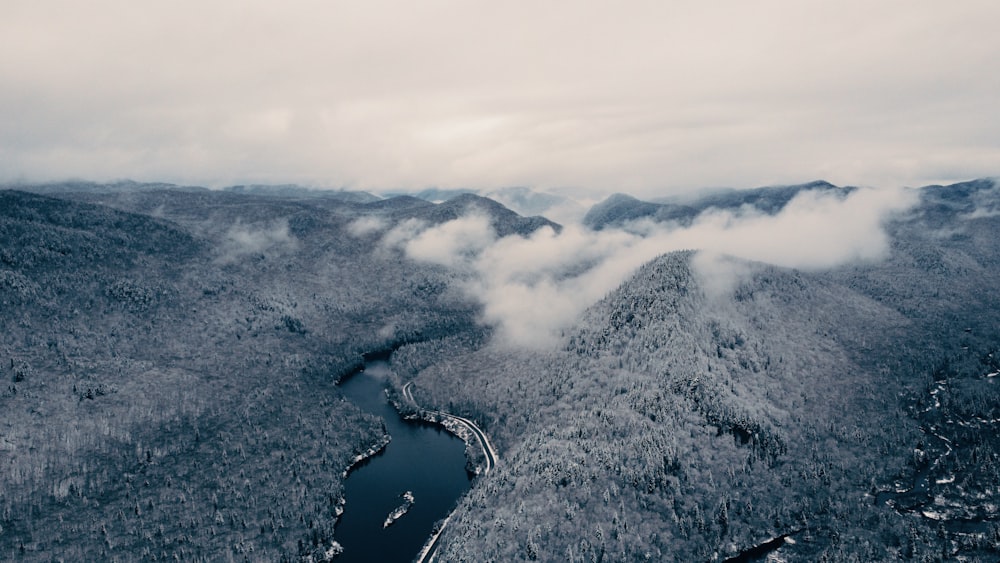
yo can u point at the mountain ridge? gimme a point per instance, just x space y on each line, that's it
619 209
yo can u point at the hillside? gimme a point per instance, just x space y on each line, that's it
683 424
170 360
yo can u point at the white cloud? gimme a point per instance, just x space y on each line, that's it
399 235
815 230
533 287
366 225
453 242
242 240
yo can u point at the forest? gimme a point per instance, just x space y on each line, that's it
171 355
849 413
170 360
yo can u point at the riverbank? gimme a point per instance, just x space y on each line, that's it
479 451
364 456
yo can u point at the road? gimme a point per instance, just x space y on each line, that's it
430 548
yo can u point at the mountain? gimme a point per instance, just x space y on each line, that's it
846 414
78 186
170 360
505 221
525 200
433 195
530 202
293 190
522 200
619 209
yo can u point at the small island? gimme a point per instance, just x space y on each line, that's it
400 510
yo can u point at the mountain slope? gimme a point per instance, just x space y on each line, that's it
684 424
170 360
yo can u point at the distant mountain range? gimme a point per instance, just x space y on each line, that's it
616 210
619 209
292 190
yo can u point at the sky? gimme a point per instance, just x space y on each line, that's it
649 98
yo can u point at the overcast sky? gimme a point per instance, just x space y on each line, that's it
646 97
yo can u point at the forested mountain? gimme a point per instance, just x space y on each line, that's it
525 201
282 190
292 190
853 411
83 186
433 195
619 209
170 360
505 222
171 356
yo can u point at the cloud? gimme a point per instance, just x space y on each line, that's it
399 235
561 207
815 230
366 225
533 287
376 95
719 274
985 202
983 213
241 241
452 243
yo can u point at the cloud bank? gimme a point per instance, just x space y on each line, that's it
645 97
533 287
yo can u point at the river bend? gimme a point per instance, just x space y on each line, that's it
421 458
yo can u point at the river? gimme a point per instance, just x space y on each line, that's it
421 458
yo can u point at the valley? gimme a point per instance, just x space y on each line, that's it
175 364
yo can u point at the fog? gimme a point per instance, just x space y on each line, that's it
367 225
242 241
532 288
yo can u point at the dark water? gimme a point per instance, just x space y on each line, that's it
421 458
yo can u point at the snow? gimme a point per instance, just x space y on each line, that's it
933 515
334 550
399 511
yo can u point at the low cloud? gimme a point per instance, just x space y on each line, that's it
719 274
453 243
398 236
816 230
534 287
986 202
366 225
241 241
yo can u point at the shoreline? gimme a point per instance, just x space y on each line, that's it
371 452
475 460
